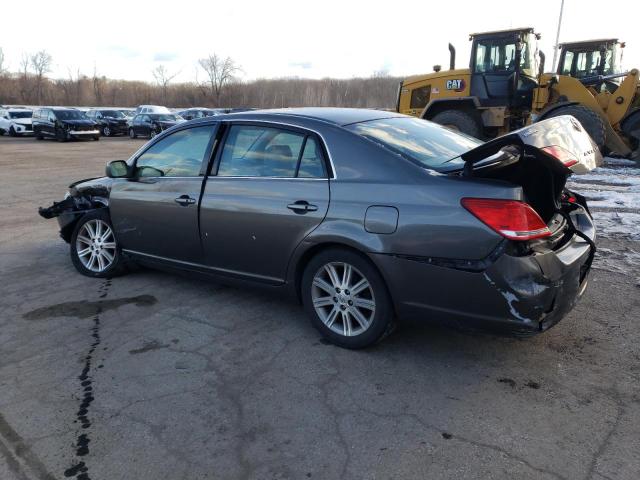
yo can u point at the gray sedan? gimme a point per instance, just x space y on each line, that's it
364 216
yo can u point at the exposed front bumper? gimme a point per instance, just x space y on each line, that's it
514 294
83 133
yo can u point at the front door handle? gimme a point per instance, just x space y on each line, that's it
185 200
302 207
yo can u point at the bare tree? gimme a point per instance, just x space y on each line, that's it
2 67
98 86
41 62
220 72
163 77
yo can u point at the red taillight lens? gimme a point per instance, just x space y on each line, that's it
510 218
561 154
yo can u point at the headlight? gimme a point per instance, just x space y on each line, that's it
67 195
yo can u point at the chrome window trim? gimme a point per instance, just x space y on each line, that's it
332 176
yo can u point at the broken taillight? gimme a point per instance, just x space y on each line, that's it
510 218
566 157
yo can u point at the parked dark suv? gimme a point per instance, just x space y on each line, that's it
110 121
151 124
63 124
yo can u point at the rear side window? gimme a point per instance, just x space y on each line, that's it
311 163
253 151
177 155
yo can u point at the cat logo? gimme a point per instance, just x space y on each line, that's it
456 85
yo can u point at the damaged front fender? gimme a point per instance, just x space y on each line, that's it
83 197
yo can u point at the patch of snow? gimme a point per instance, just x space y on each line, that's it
625 261
617 224
619 161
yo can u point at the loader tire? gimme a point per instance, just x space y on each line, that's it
590 120
630 126
460 120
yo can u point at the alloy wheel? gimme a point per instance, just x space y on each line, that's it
343 298
96 245
106 131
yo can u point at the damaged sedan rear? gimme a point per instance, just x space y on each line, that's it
364 216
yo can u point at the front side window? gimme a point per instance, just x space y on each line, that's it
567 64
252 151
177 155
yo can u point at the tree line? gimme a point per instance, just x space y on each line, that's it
218 86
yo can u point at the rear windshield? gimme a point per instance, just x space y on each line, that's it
20 114
421 141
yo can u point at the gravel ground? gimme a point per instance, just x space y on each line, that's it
156 376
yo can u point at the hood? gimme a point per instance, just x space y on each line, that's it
22 121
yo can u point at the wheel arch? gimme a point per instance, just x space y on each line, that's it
312 250
440 104
553 107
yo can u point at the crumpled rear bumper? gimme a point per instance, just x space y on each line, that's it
514 294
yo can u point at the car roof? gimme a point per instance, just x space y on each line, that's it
334 115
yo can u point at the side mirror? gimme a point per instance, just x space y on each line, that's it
117 169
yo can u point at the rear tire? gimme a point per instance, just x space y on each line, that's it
94 249
106 131
590 121
460 120
352 310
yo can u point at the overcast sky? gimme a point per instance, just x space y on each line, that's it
127 39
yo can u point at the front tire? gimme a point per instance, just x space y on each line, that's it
94 249
12 131
61 135
460 120
347 299
132 134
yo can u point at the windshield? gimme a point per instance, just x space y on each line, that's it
421 141
112 114
497 54
20 114
587 62
167 118
69 115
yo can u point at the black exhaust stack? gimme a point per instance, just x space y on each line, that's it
452 57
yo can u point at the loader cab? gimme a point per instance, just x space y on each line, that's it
592 58
504 67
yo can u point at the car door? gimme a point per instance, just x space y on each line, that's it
50 123
155 213
269 190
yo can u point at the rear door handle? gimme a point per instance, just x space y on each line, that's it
302 207
185 200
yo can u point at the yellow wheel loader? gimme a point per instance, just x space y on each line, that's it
505 88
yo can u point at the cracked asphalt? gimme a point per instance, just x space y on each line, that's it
157 376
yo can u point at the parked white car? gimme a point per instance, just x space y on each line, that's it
16 121
151 109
